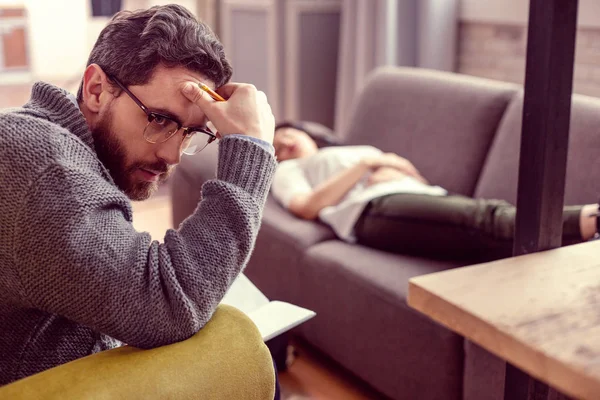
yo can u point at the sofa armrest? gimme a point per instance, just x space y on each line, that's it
227 359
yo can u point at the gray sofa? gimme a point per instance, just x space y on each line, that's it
462 133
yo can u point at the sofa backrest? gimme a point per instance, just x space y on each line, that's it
444 123
500 173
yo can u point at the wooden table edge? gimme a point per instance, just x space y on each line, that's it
569 380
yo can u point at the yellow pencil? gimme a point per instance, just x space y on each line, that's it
211 93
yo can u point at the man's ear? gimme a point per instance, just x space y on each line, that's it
96 88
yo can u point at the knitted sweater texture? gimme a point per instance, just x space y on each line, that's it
75 277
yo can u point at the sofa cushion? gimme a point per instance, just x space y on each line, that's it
295 232
364 323
282 240
444 123
500 173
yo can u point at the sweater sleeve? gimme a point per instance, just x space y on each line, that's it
78 255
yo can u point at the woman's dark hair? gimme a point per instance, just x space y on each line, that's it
322 135
135 42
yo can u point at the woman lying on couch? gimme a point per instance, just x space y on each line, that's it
381 200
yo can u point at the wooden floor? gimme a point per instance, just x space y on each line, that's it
313 376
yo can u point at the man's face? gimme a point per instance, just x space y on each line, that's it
136 165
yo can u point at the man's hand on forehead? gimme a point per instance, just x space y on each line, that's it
246 110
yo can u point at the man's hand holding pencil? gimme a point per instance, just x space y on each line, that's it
235 108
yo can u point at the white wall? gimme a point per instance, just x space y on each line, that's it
62 33
517 11
12 3
57 37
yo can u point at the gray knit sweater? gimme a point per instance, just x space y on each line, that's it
75 276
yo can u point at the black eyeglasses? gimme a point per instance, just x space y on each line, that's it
161 128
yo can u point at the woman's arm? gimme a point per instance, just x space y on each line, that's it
306 203
391 160
328 193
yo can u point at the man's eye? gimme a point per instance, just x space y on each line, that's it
160 120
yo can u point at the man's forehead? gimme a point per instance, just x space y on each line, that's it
175 78
164 88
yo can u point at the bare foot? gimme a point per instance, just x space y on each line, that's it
587 223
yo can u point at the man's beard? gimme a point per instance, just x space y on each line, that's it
112 154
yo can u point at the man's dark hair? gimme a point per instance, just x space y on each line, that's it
135 42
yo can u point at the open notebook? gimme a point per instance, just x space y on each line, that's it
271 317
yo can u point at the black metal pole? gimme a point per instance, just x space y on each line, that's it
544 145
545 130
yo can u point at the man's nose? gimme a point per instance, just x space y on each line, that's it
170 151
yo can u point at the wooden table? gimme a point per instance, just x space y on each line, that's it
540 312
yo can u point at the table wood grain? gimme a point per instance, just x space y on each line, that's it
540 312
